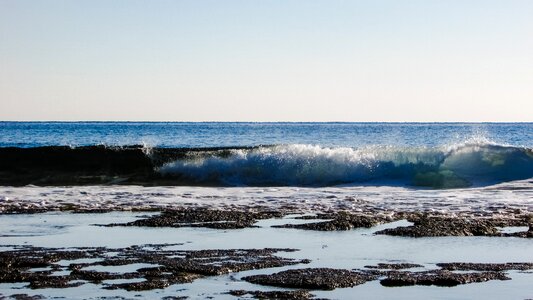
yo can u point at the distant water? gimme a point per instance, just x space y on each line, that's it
33 134
309 154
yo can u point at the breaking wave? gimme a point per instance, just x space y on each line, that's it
463 165
474 163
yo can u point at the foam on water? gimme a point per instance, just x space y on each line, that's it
499 198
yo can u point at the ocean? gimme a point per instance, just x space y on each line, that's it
434 155
214 134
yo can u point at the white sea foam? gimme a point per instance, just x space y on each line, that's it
492 199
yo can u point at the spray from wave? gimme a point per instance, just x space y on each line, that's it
473 163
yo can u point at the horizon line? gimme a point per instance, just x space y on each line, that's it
211 121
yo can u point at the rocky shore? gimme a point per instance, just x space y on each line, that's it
40 266
162 265
424 224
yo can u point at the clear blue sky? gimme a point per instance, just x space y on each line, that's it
268 60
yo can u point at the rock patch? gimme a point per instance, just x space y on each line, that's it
485 267
398 266
339 221
442 278
312 278
288 295
201 217
170 266
435 226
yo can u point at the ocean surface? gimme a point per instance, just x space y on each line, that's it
434 155
175 134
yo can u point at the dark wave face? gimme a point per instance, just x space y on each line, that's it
464 165
63 165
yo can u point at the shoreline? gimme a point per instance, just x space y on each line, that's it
240 243
125 263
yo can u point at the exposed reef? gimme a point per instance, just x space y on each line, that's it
312 278
485 266
201 217
287 295
439 278
340 221
426 225
167 266
391 266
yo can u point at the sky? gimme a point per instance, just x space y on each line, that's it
267 60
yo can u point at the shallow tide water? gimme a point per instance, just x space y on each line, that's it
341 249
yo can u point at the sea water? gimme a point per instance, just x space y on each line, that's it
431 155
213 134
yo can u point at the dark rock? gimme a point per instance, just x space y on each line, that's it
217 262
339 221
428 226
41 282
319 278
398 266
201 217
439 278
173 266
289 295
485 266
25 297
155 283
522 234
97 277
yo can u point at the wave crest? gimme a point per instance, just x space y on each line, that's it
472 163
